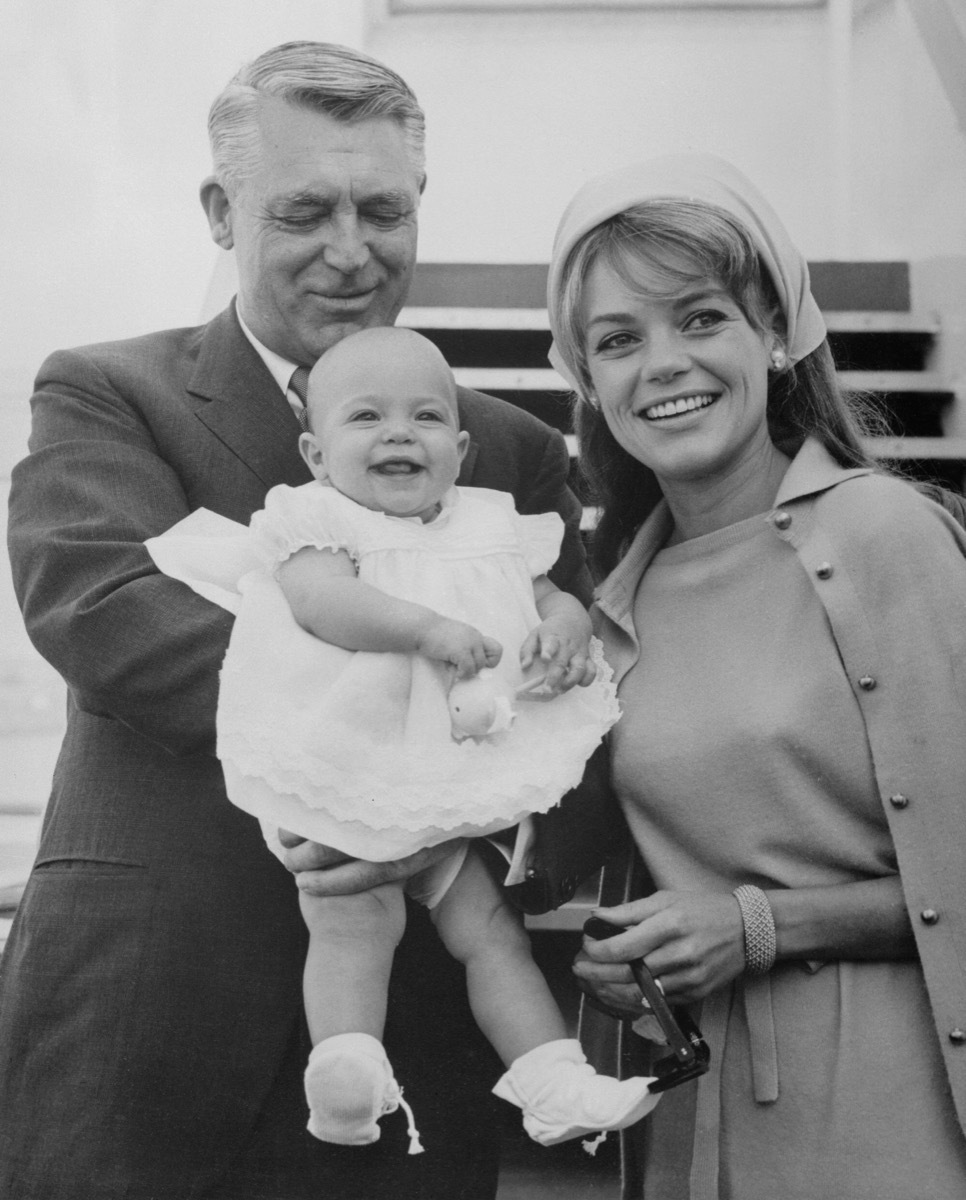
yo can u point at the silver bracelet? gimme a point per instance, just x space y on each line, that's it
759 923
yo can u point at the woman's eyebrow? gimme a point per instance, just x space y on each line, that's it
612 318
680 300
695 297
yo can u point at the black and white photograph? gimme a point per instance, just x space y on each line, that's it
483 604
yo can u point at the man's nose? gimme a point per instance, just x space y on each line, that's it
346 250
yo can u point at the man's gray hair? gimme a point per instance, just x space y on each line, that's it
343 83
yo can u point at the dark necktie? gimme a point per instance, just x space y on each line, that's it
299 383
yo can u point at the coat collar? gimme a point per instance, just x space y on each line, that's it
811 471
243 406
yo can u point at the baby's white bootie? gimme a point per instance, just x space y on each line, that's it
563 1097
349 1085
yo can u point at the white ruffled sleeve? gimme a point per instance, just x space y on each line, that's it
540 538
310 515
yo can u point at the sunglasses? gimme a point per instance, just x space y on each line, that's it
689 1055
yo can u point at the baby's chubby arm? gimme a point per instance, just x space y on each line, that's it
561 640
328 599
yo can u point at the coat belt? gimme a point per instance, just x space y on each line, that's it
755 991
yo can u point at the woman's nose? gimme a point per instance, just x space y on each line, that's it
666 358
346 250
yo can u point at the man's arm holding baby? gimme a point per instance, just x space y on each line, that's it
322 871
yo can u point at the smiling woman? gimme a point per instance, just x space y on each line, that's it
682 383
767 744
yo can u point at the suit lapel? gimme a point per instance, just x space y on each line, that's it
236 397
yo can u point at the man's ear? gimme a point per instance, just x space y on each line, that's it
217 206
312 454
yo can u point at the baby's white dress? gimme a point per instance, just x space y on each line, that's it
355 749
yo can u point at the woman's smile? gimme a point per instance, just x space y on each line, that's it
677 406
681 378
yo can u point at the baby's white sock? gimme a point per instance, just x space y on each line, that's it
563 1097
349 1085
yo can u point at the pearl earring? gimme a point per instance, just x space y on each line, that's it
779 360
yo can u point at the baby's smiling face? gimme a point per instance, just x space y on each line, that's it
385 431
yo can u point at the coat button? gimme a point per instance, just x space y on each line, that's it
957 1037
867 683
782 520
899 801
824 570
929 916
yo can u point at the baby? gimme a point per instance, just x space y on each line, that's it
338 725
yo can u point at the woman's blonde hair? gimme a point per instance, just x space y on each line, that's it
682 242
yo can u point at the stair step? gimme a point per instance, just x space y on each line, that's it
882 322
511 379
570 916
536 319
837 286
894 381
474 318
540 379
938 449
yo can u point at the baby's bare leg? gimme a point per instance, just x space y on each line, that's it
349 1082
352 940
509 996
549 1078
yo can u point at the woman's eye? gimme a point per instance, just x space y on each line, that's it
615 341
705 318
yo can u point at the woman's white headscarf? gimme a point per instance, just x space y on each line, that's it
694 177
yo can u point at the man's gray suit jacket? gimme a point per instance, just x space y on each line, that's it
152 981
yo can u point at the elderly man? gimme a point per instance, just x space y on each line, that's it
151 1030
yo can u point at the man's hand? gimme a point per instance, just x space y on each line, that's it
321 871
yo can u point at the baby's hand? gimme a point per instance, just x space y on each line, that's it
460 645
566 651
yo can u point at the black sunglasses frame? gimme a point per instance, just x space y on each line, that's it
690 1056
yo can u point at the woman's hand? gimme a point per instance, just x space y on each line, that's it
692 942
321 871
